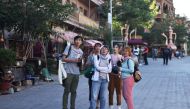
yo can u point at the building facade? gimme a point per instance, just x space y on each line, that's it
86 15
165 7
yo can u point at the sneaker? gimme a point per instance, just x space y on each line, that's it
98 104
111 106
119 107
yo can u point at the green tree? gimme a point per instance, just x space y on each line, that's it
33 18
136 13
181 32
158 28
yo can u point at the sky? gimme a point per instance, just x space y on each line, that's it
182 7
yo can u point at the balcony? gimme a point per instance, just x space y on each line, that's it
98 2
87 21
161 16
82 21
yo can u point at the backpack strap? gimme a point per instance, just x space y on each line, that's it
109 61
69 51
128 65
98 57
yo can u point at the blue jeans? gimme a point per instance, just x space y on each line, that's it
102 87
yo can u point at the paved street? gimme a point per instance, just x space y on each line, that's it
162 87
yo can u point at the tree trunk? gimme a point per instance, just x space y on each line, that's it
3 36
126 35
44 51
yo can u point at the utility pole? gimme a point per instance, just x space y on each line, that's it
111 17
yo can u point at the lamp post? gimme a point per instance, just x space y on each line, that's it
110 24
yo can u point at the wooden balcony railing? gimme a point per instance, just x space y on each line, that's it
87 21
83 20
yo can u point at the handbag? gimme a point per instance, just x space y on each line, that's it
137 76
115 69
87 72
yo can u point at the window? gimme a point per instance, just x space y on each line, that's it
74 5
85 12
81 10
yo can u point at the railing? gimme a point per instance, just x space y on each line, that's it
98 2
163 15
83 20
87 21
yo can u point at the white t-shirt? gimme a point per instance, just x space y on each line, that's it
136 51
74 54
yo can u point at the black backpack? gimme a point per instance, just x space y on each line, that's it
166 51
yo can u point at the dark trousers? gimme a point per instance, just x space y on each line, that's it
145 59
170 56
165 59
71 84
114 83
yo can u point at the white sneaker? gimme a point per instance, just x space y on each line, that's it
111 106
119 107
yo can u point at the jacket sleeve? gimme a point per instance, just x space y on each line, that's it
129 68
102 69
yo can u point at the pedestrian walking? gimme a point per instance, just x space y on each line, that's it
170 53
145 54
136 51
115 82
166 53
90 63
154 54
127 70
140 59
72 56
100 77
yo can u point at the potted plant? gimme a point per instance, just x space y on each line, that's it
7 58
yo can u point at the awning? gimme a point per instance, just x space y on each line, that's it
69 36
60 35
98 2
91 43
136 42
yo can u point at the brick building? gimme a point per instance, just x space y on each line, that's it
165 7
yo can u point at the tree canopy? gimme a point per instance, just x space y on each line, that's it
136 13
155 37
33 16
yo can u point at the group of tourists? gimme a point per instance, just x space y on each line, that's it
166 53
109 72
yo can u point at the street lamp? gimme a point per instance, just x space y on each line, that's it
110 24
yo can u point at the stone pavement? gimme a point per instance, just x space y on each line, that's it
162 87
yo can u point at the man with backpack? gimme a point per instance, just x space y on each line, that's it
72 56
